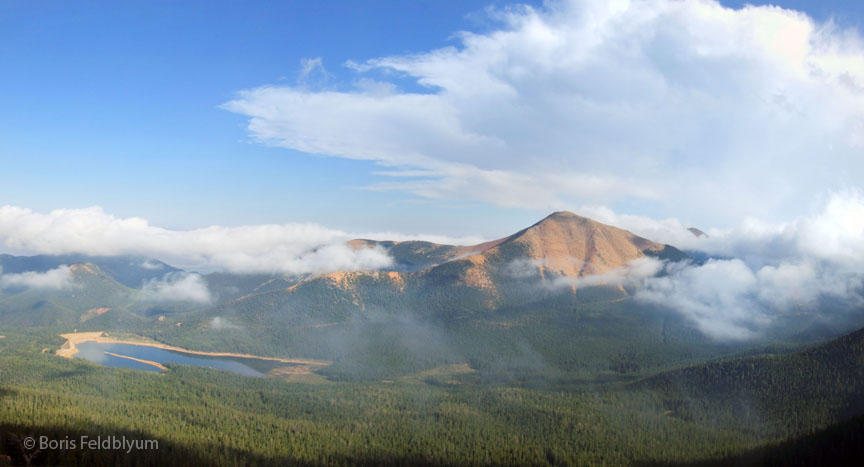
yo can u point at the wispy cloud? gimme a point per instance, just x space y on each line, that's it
312 69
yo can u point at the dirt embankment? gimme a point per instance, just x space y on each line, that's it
146 362
68 349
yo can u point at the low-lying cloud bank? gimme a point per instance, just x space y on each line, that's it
760 271
729 299
286 248
55 279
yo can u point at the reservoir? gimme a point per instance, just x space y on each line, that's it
130 356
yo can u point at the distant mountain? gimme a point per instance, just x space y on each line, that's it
88 288
415 255
99 291
231 286
105 290
130 271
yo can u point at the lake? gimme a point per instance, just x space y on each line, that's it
96 352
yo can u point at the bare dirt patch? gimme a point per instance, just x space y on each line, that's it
94 312
445 374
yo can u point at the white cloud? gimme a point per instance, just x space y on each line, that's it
774 270
150 265
728 299
833 234
287 248
703 109
177 287
60 278
711 295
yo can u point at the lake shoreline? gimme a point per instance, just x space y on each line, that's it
69 349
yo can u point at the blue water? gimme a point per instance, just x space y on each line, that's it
95 352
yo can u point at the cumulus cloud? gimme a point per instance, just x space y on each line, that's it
697 108
56 279
177 287
286 248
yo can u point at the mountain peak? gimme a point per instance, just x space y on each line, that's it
569 244
561 215
85 268
571 223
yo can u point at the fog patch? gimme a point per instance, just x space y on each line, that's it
523 268
633 272
219 324
177 287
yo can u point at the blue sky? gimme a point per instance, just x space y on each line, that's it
116 104
121 105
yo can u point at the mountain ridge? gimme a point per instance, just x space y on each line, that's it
562 243
506 271
599 247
